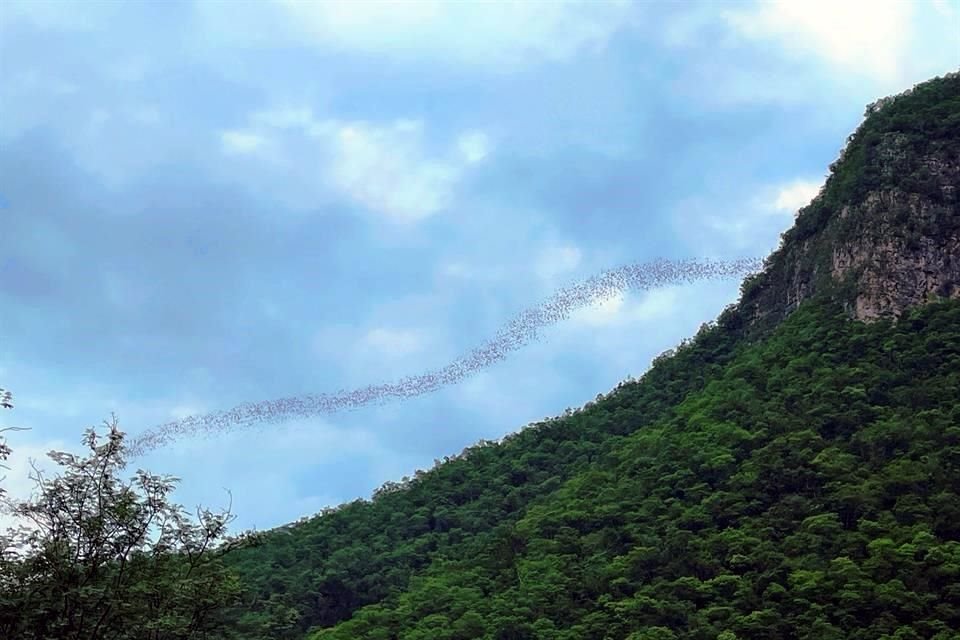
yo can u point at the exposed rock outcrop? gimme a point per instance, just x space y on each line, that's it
883 235
894 266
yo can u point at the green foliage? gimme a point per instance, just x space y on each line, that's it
98 558
805 486
325 568
797 494
6 402
888 151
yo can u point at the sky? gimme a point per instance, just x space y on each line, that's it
207 203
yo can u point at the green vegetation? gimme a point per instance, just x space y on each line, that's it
99 558
888 151
808 488
319 572
6 402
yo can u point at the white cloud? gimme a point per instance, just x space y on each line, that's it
866 36
625 307
752 224
181 411
122 291
556 261
708 227
240 142
469 271
943 8
456 270
35 84
685 28
145 115
56 16
514 394
274 495
789 52
474 146
389 168
284 117
794 195
658 303
379 353
604 313
392 342
491 34
129 69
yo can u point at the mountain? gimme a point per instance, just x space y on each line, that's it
883 234
792 471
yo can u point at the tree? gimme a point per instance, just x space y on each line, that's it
6 402
96 557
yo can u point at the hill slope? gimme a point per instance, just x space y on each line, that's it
809 491
791 472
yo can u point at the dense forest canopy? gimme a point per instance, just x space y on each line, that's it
807 488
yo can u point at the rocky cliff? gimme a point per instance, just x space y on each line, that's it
884 232
892 270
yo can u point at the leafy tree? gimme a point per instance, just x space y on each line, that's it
99 558
6 402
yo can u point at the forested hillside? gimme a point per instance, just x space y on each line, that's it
791 472
808 491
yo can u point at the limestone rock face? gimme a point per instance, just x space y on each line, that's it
894 267
883 235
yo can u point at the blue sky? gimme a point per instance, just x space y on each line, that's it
206 203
